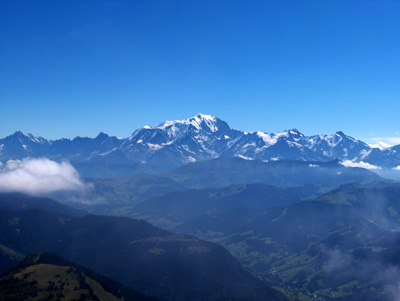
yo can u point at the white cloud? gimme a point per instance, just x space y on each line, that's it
39 176
361 164
396 168
382 142
245 158
381 145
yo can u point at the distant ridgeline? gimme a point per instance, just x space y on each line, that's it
175 143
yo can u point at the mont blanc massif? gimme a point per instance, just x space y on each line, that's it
195 210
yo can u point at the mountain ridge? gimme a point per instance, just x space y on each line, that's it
172 144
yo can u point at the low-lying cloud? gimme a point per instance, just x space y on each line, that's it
341 264
39 176
361 164
382 142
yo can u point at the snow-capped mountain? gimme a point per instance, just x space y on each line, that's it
175 143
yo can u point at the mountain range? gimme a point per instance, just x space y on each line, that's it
172 144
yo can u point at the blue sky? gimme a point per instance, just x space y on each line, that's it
70 68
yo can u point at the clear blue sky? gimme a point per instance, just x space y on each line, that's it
71 68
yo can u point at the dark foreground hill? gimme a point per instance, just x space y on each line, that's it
44 276
153 261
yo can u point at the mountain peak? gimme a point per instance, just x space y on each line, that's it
18 134
198 121
343 135
294 132
204 117
102 135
